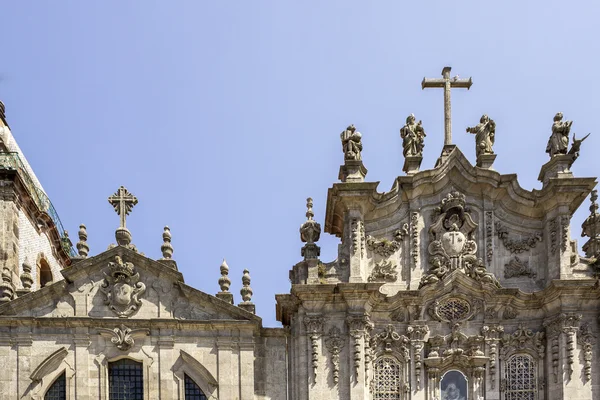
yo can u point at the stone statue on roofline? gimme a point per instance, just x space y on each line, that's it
351 143
559 140
485 135
413 136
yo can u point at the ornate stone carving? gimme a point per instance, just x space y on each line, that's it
82 246
587 340
492 335
351 143
555 326
383 247
417 334
389 338
523 338
310 232
123 337
123 202
26 277
121 288
553 235
519 245
576 146
314 329
559 139
359 327
384 271
485 135
398 315
413 136
414 232
358 237
166 248
517 267
452 243
451 309
510 313
7 289
334 344
564 228
489 244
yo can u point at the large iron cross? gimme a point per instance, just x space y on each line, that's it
123 202
447 83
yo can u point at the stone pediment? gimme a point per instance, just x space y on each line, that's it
456 171
121 283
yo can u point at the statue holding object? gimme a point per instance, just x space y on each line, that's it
485 135
413 136
559 140
351 143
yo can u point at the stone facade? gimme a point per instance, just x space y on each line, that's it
455 284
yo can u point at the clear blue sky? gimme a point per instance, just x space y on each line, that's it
222 117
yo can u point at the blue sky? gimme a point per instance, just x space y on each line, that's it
222 117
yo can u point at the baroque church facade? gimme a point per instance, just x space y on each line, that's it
457 284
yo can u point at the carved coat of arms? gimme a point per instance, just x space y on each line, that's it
452 243
121 288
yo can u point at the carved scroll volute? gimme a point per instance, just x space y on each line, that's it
359 327
314 330
492 336
417 334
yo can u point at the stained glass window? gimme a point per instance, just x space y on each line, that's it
125 380
520 375
193 391
387 379
58 390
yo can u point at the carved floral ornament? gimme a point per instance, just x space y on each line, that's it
452 244
123 337
121 288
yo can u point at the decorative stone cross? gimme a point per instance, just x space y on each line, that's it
447 83
123 202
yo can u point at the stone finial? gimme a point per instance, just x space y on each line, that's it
591 228
82 246
225 283
167 247
310 232
26 278
123 202
246 292
7 289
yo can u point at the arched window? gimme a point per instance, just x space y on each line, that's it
44 273
193 391
520 374
125 380
57 390
387 379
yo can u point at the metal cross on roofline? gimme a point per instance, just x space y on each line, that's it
447 83
123 202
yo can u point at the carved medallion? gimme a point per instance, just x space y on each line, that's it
452 243
121 288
